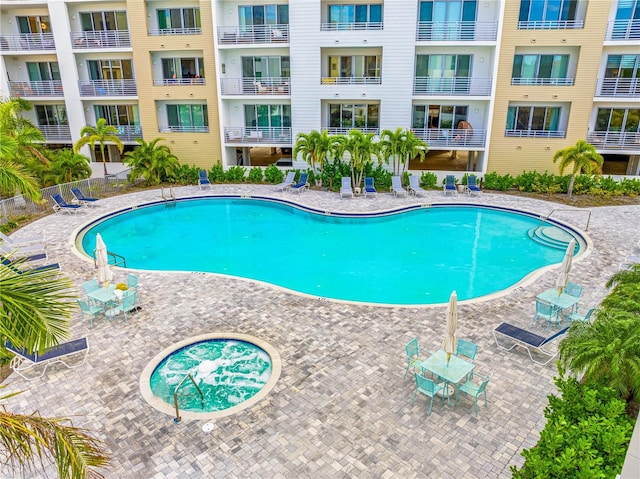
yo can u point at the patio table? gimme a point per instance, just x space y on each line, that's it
560 301
105 295
451 372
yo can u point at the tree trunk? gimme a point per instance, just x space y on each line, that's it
571 182
104 160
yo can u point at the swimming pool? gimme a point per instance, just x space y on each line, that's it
414 256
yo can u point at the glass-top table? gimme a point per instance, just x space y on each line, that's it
104 295
452 372
561 301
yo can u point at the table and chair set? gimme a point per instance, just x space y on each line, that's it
556 306
109 300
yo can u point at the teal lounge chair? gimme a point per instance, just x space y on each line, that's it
369 188
450 185
396 186
345 188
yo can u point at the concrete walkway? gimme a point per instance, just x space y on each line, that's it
341 408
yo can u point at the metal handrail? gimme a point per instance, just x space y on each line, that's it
117 259
170 196
175 396
543 218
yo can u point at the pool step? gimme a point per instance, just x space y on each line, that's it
551 236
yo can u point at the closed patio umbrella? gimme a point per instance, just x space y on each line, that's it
102 261
451 336
563 277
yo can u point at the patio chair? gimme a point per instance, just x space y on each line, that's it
91 285
301 185
396 186
24 241
530 341
132 283
474 389
369 188
585 318
89 310
467 349
472 185
288 181
82 199
546 311
413 356
61 206
203 180
575 290
450 185
429 388
127 305
345 187
24 361
414 186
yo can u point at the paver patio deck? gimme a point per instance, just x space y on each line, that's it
341 408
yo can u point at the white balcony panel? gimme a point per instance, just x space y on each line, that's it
28 89
543 81
451 139
535 133
622 30
464 86
353 26
614 140
351 80
101 39
255 86
345 131
457 31
27 42
251 34
550 24
618 87
258 135
55 133
108 88
179 81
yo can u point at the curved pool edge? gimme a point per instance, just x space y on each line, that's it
75 241
160 405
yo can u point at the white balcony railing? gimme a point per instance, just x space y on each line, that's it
36 88
179 81
251 135
128 132
55 132
618 87
467 86
542 81
175 31
331 27
614 140
550 24
337 130
278 33
451 138
623 30
535 133
27 41
255 86
108 88
183 129
457 31
101 39
351 80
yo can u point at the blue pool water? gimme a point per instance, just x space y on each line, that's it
413 257
227 371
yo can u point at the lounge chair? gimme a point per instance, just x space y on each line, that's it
530 341
288 181
24 241
345 188
203 179
61 206
472 185
369 188
414 186
396 186
24 361
450 185
23 265
21 251
301 185
82 199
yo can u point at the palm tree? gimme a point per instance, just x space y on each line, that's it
23 139
390 147
314 147
583 157
400 146
16 177
66 167
410 148
154 162
361 148
101 133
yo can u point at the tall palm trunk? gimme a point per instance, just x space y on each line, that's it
104 160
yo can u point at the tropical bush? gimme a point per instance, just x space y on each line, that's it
216 173
235 174
273 174
428 180
255 175
494 181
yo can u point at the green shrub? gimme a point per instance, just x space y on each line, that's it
494 181
405 178
187 174
235 174
255 175
525 181
630 187
216 174
428 180
273 174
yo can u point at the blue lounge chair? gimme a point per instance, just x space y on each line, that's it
472 185
61 206
369 188
203 180
302 184
288 181
82 199
396 186
450 185
345 188
414 186
23 360
530 341
22 266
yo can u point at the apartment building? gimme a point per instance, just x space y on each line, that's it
505 83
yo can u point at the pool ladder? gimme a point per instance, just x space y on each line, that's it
177 419
170 198
543 219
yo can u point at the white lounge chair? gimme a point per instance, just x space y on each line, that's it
414 186
22 241
345 188
23 361
288 181
396 186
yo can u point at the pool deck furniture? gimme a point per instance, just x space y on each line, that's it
412 351
27 250
288 181
369 188
105 295
24 361
429 388
396 187
584 318
414 186
345 187
472 186
474 389
18 241
81 199
301 185
560 301
127 305
450 186
452 371
61 206
532 342
203 180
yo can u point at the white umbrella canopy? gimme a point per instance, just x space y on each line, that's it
102 261
563 277
450 340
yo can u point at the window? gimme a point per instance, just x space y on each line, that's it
51 115
110 69
191 118
179 19
103 21
536 14
441 19
618 120
349 116
533 121
267 116
445 117
43 71
35 24
118 115
627 23
540 70
177 68
358 14
264 15
443 73
622 66
354 66
266 67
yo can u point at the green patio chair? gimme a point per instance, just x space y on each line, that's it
89 310
429 388
585 318
127 305
474 389
467 349
413 356
546 311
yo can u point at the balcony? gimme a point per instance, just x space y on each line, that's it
253 135
464 86
457 31
451 139
623 30
550 24
101 39
28 89
352 26
108 88
175 31
535 133
618 87
255 86
543 81
351 80
337 130
241 35
183 129
27 42
56 132
614 140
179 81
